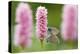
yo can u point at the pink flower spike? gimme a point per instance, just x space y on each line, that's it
69 22
41 23
23 31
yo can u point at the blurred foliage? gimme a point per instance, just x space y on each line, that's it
54 20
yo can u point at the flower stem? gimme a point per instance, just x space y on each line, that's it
41 40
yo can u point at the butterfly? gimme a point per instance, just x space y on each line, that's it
52 35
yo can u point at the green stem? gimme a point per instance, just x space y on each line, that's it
41 40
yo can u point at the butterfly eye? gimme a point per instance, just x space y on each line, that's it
49 29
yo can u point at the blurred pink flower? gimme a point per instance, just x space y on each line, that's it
69 22
23 31
41 22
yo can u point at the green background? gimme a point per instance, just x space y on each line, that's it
54 20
